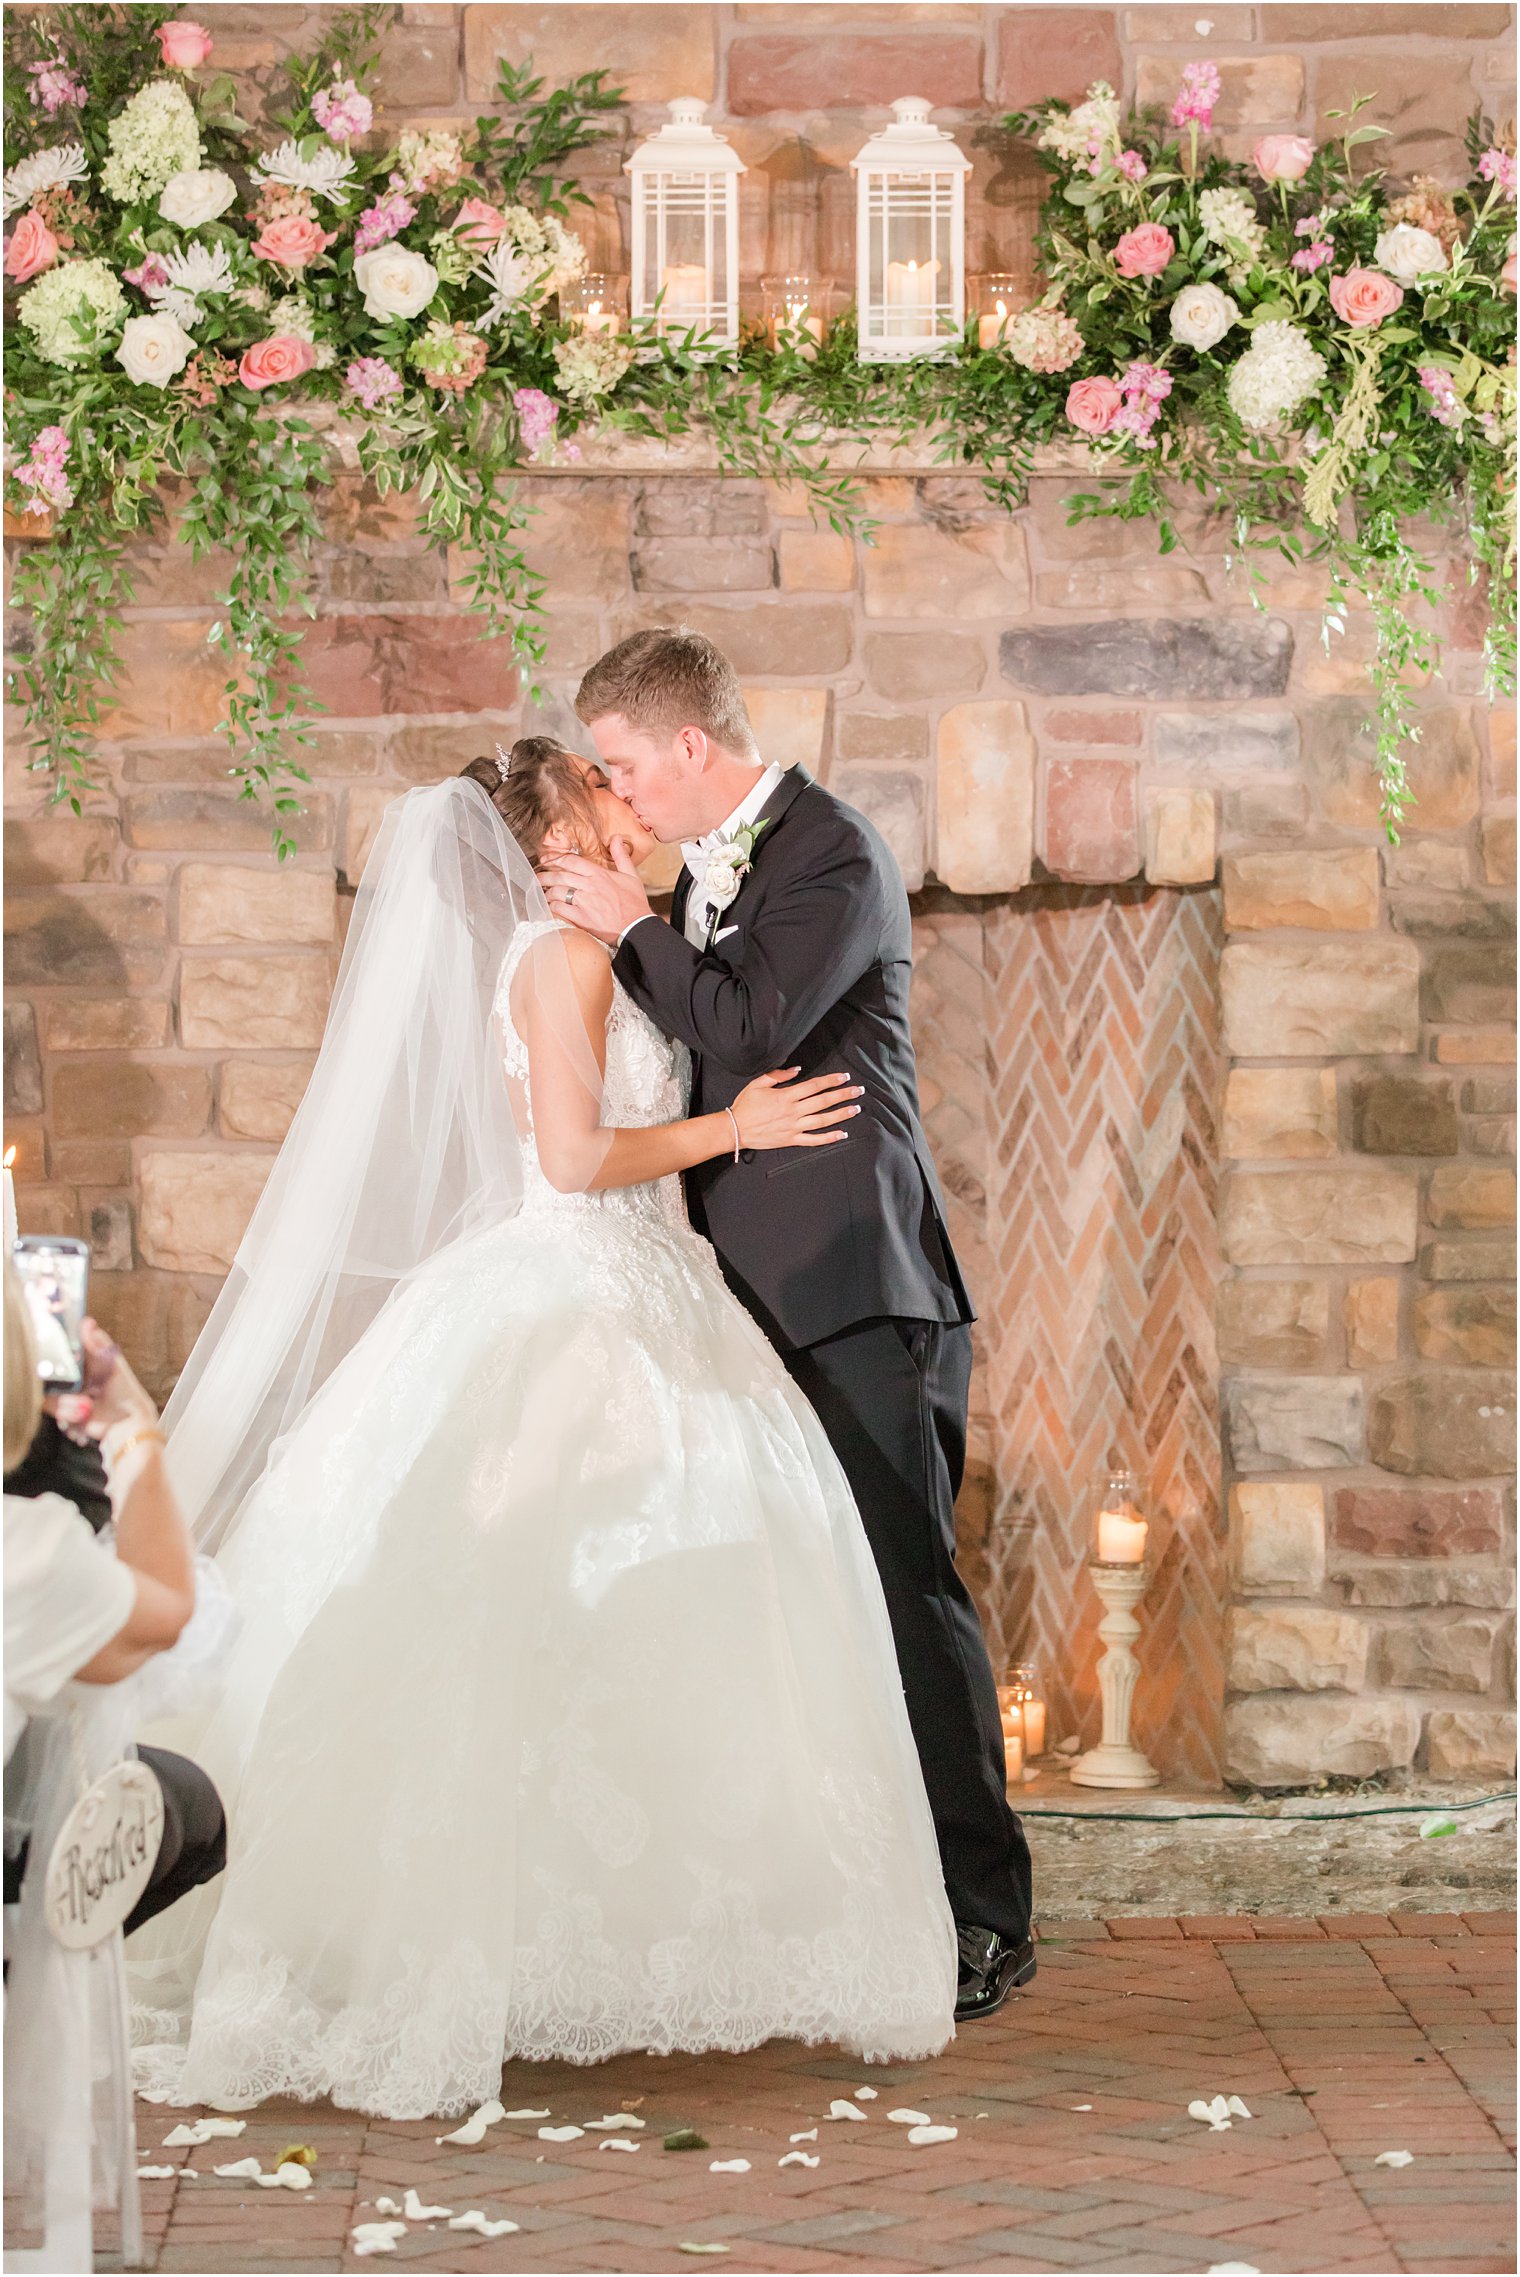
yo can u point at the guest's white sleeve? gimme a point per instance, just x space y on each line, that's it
66 1595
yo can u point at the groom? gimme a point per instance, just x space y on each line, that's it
790 946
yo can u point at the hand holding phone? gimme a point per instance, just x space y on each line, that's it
54 1271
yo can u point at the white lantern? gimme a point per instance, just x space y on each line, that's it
910 245
686 229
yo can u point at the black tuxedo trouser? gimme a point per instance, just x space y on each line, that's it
194 1845
891 1395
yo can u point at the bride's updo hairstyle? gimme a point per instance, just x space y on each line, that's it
545 789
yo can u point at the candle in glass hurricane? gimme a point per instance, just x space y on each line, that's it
594 303
1011 1716
1024 1683
997 299
1119 1530
794 309
10 1202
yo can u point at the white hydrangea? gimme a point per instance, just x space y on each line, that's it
153 137
75 288
1229 218
44 170
428 160
1276 373
325 173
296 317
1407 253
590 364
1072 134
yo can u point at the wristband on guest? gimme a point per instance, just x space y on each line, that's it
122 1438
733 1118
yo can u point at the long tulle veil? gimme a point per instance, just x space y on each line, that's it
404 1142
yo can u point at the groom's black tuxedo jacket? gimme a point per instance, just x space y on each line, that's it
811 970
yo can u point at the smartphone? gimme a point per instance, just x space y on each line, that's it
54 1272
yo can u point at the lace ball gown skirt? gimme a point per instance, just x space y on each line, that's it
564 1718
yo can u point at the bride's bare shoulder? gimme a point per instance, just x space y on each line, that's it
564 948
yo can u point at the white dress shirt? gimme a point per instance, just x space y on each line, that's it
698 907
66 1595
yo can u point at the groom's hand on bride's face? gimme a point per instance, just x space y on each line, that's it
603 902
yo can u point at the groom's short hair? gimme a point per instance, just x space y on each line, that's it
665 679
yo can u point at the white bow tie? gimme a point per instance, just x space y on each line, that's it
694 851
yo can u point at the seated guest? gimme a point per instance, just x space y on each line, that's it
77 1607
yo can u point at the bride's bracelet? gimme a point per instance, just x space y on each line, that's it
733 1118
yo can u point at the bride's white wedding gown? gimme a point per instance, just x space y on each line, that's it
564 1718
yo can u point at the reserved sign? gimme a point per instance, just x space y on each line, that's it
104 1856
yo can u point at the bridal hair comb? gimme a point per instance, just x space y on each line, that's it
503 763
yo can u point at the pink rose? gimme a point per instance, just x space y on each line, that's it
1507 274
1283 157
1363 297
269 363
32 248
292 241
1144 252
183 45
1093 404
478 223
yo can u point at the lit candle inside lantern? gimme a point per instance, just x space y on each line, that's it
1121 1536
10 1202
911 297
993 325
685 288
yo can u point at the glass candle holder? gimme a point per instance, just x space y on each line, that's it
795 310
1023 1683
594 303
1011 1715
1118 1530
999 297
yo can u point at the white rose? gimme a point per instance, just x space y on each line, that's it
1202 315
153 348
724 868
196 195
394 281
1406 253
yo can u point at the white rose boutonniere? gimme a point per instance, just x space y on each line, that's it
726 866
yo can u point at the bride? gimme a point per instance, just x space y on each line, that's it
564 1717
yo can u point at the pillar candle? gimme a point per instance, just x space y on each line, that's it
991 328
1034 1726
798 329
1013 1752
1121 1538
10 1202
598 319
910 293
685 290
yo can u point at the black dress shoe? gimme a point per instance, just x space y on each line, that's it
991 1968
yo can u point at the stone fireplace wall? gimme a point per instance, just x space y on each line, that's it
1220 1083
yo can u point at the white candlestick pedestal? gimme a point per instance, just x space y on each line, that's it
1115 1762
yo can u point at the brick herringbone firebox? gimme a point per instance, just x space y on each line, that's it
1221 1083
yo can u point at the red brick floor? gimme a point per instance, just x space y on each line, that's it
1074 2152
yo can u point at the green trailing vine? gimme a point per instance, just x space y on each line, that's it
1320 357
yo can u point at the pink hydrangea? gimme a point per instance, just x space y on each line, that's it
373 380
537 416
1308 258
56 86
43 473
1131 165
1446 406
1494 166
382 221
1197 96
342 112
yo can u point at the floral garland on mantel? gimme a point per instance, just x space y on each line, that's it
193 305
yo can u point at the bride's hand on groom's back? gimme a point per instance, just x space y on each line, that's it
775 1110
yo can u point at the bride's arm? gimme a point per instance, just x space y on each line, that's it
579 1153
